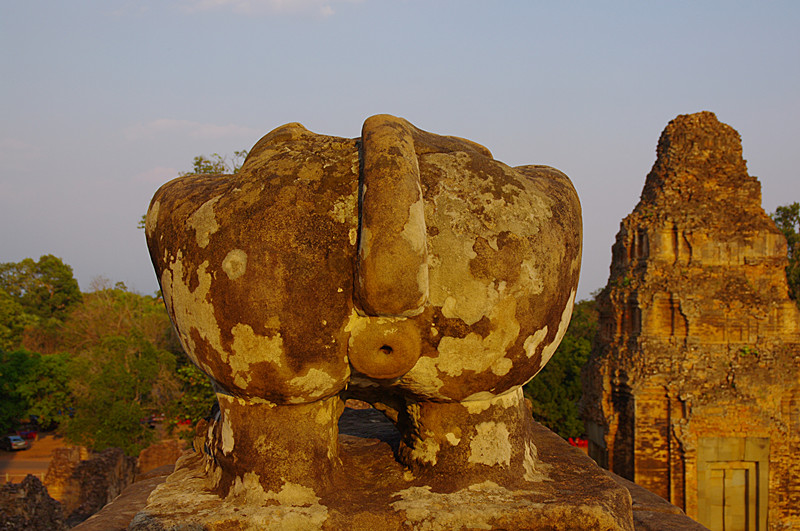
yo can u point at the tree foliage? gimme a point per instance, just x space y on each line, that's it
46 390
32 384
215 163
197 397
108 360
127 364
45 289
35 298
13 321
109 311
555 391
119 382
122 367
15 368
787 218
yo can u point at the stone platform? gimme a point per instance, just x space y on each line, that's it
375 492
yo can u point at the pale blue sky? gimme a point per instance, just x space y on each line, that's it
102 101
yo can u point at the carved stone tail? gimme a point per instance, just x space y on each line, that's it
392 264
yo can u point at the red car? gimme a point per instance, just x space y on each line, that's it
27 434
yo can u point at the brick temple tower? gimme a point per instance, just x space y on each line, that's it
693 386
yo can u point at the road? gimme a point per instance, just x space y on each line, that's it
14 466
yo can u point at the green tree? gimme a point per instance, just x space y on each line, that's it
555 391
215 163
196 398
787 218
45 289
13 321
115 311
46 389
118 387
35 298
15 368
122 367
116 360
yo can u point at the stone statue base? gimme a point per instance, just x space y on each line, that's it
374 492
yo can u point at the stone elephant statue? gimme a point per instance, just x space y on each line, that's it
403 268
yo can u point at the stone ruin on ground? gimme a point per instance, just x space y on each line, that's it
79 483
404 269
83 482
693 386
27 506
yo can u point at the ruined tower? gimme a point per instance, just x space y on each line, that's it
693 386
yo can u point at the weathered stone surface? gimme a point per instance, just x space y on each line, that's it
27 506
85 482
376 492
58 479
361 431
695 377
654 513
402 268
158 455
117 515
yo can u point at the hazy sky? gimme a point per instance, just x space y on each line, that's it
103 101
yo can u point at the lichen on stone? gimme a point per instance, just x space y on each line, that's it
204 222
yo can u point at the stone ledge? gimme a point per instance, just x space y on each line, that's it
653 513
375 492
117 515
578 495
